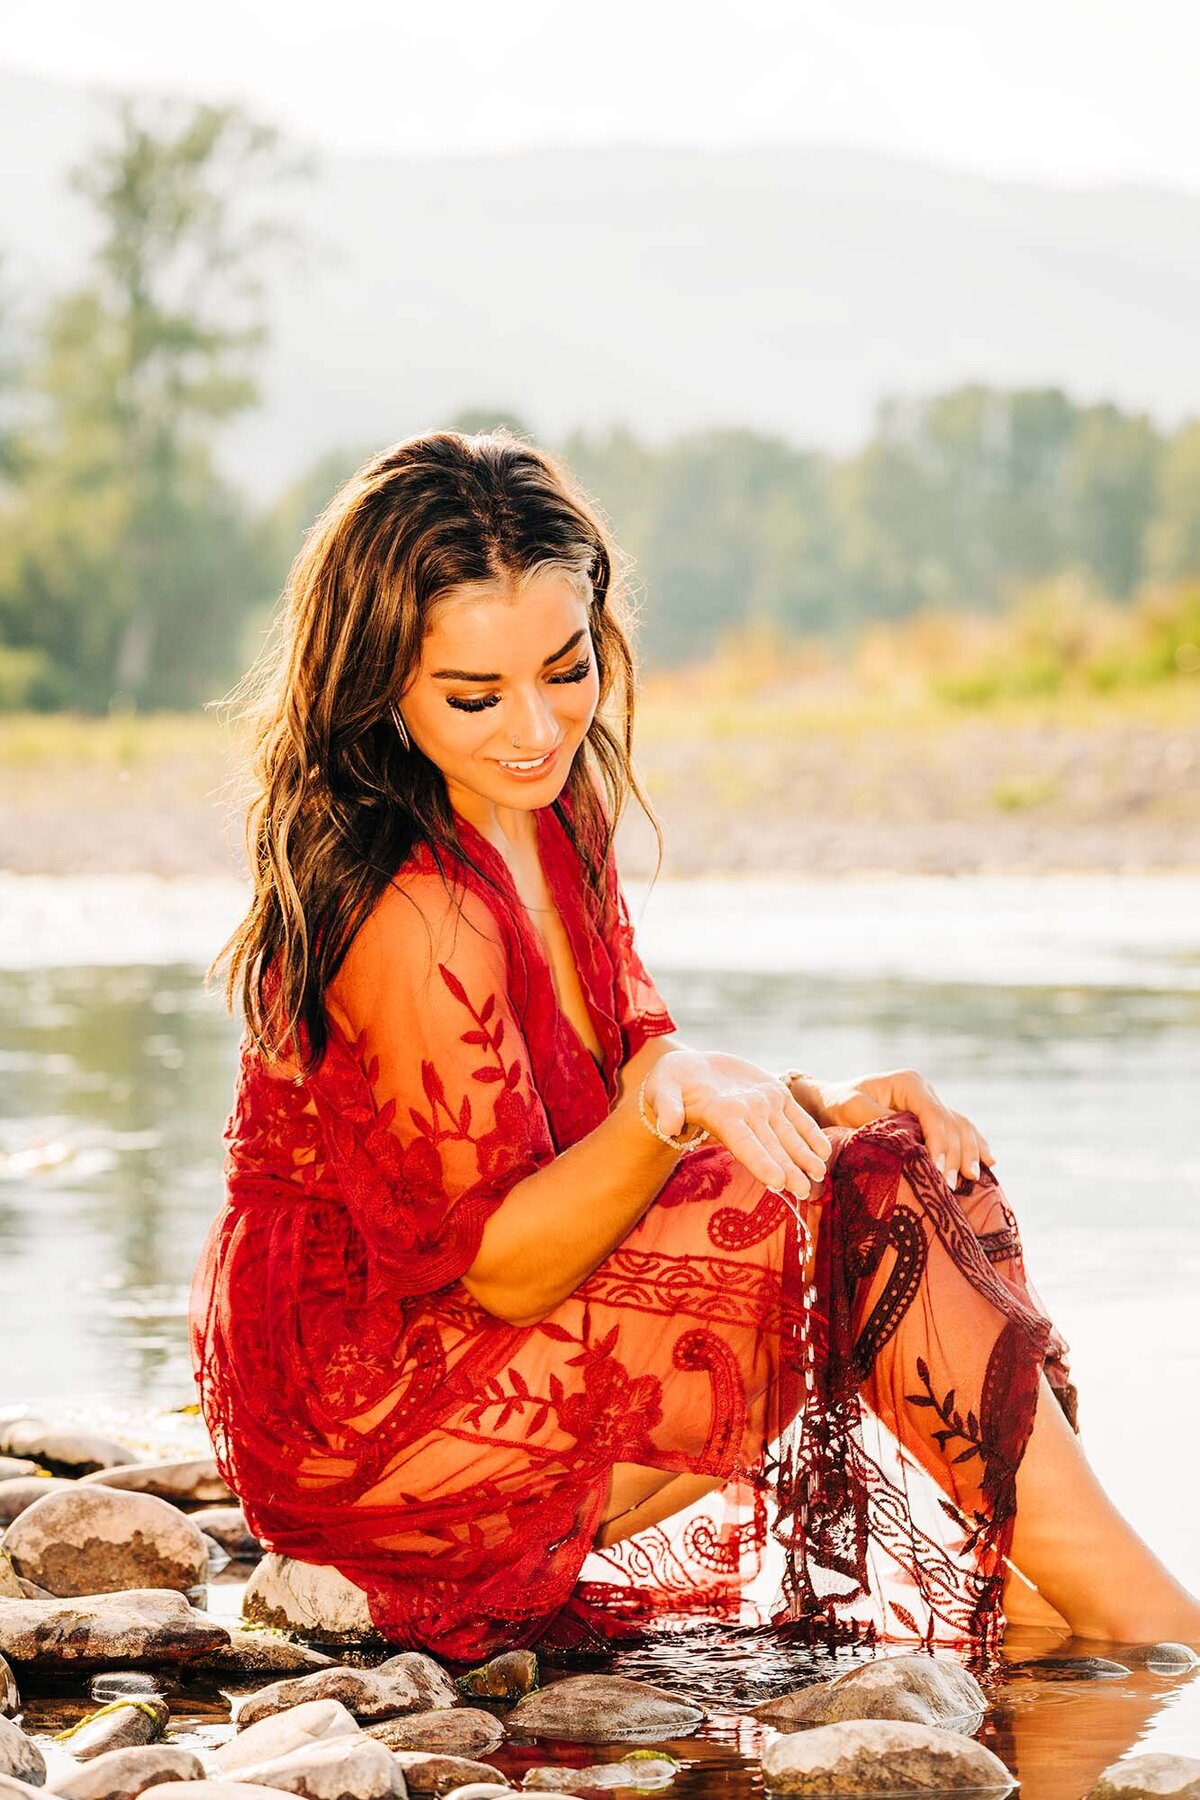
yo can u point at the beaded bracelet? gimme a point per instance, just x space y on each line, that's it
677 1143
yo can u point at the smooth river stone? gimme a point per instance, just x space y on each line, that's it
604 1709
643 1771
922 1689
506 1677
123 1774
61 1449
882 1757
10 1694
282 1733
12 1468
407 1684
262 1653
1162 1659
310 1599
426 1774
121 1725
10 1581
96 1540
211 1790
122 1684
450 1731
346 1768
11 1789
195 1481
17 1495
146 1626
20 1758
1154 1777
227 1525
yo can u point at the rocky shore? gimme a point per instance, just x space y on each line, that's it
757 791
107 1565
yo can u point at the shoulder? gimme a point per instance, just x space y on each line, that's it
422 918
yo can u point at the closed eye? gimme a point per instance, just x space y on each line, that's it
577 672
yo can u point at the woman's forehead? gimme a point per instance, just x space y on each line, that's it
511 624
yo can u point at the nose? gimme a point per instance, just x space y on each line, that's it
532 723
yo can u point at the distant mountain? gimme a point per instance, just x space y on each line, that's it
784 288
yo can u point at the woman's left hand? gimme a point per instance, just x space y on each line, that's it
951 1139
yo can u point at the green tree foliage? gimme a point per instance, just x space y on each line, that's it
127 564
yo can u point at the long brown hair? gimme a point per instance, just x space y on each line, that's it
336 803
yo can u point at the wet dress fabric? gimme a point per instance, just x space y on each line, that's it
856 1373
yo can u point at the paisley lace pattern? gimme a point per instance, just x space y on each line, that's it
860 1422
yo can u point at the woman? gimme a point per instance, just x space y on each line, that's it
507 1274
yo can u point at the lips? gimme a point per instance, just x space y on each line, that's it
528 774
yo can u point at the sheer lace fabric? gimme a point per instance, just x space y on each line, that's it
371 1415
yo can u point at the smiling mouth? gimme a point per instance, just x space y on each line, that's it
528 767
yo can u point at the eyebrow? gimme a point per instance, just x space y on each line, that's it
467 675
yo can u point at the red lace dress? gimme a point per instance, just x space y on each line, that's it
372 1416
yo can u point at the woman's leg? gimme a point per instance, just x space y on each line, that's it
1087 1561
639 1497
946 1333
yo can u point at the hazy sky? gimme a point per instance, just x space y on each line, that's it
1059 90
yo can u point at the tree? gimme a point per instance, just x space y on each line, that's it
129 561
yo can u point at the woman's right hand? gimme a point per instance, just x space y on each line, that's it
747 1109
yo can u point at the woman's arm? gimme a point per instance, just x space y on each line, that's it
557 1225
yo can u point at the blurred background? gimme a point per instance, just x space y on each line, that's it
873 332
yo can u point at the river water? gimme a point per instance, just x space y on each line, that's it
1062 1014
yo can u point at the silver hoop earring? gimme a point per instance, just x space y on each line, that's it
401 729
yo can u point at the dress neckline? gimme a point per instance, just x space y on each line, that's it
550 840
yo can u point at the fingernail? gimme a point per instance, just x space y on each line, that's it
940 1162
951 1177
973 1171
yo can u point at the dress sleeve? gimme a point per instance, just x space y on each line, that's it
449 1118
641 1010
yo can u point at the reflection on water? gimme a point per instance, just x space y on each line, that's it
115 1081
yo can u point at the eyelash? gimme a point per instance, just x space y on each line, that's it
576 673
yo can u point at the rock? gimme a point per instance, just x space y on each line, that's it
882 1757
450 1731
347 1768
1158 1776
604 1709
282 1733
123 1774
505 1677
227 1525
1162 1659
212 1790
11 1789
120 1725
1067 1668
643 1771
95 1540
31 1591
93 1631
60 1449
483 1790
921 1689
10 1697
122 1684
20 1758
427 1774
196 1481
10 1581
508 1676
13 1467
407 1684
16 1495
310 1599
262 1653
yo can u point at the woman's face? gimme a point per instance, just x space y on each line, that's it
504 681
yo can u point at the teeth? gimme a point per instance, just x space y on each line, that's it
535 764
